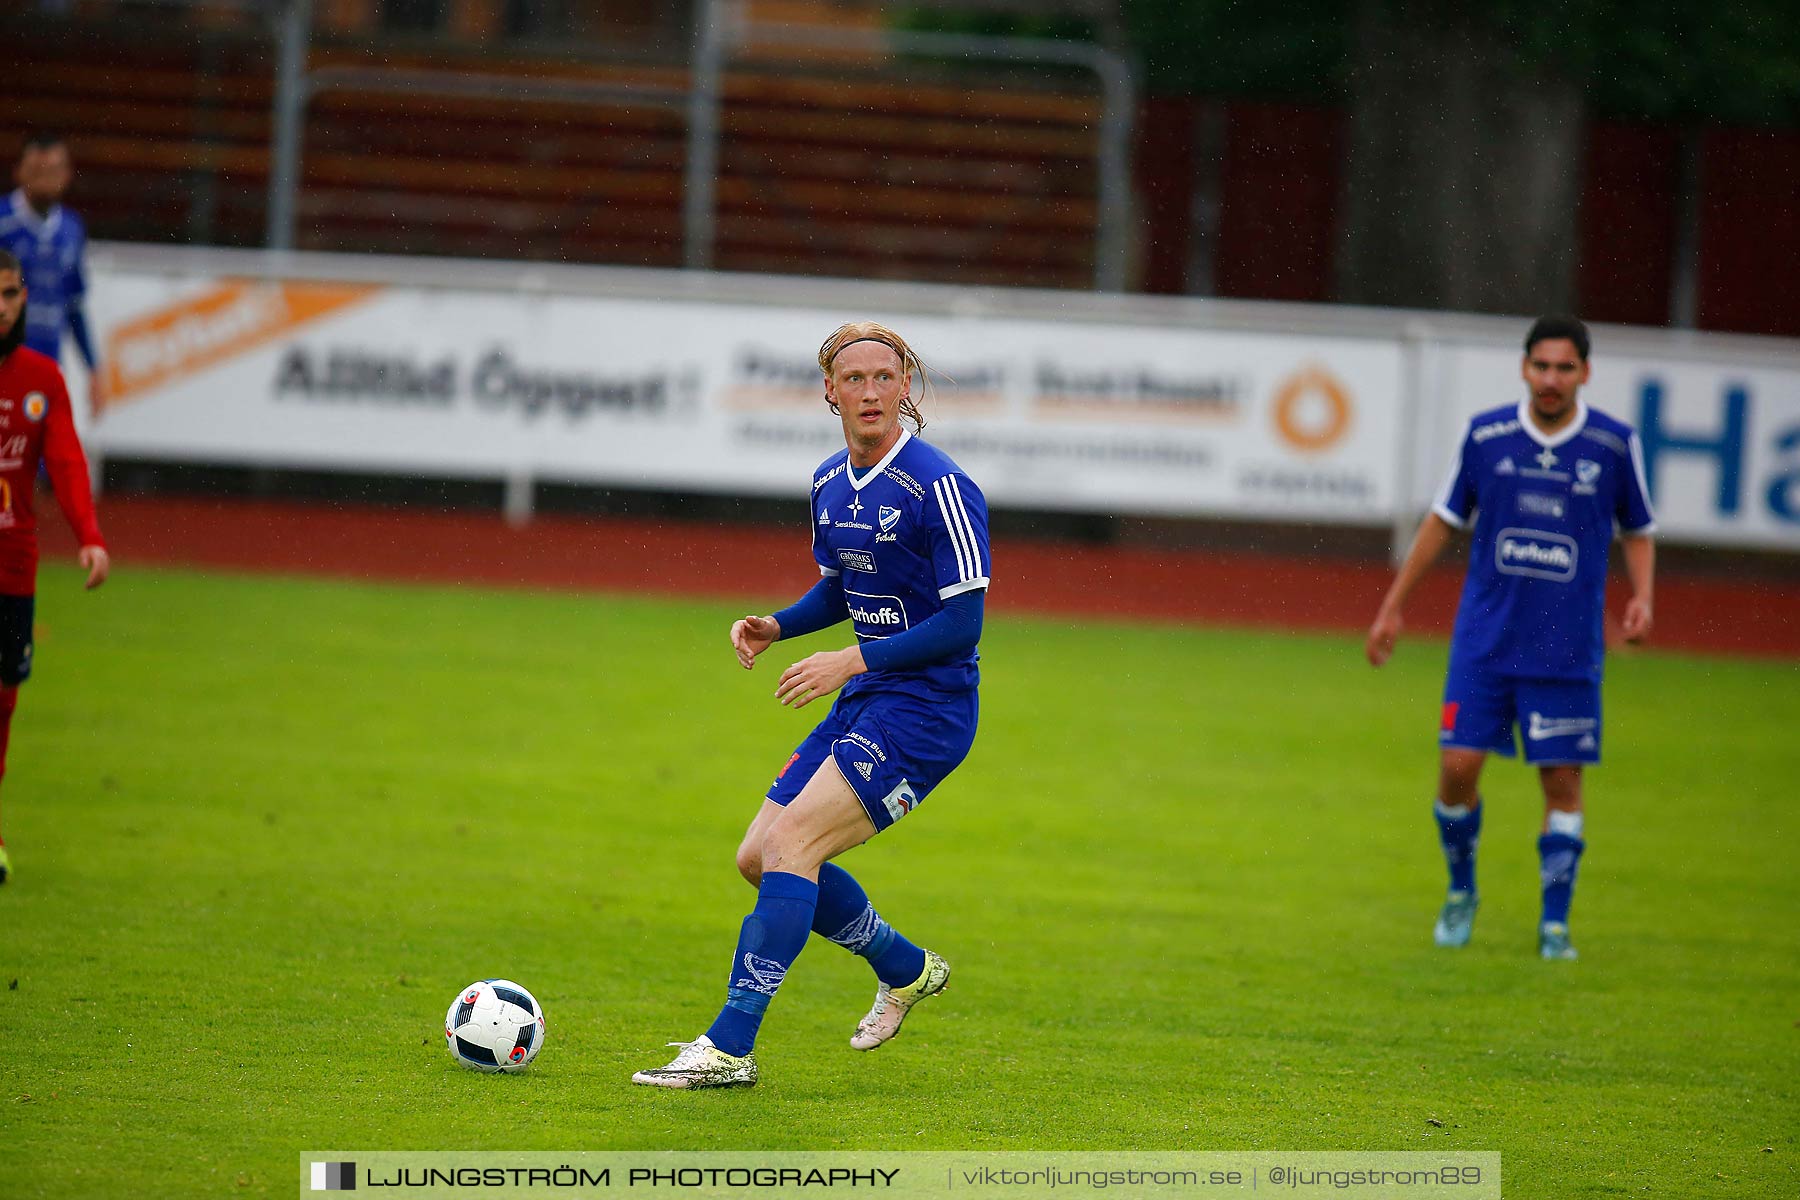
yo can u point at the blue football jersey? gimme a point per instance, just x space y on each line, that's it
50 250
1545 510
905 535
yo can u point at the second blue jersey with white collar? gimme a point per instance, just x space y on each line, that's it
49 249
1545 508
904 536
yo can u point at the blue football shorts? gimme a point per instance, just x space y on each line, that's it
892 749
15 639
1558 718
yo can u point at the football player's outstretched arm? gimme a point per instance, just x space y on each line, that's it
1434 534
1640 567
821 608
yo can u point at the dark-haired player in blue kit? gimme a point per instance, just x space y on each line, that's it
899 534
1547 482
50 241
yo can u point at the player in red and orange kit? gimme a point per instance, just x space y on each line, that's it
36 426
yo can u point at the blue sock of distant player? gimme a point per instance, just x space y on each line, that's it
846 917
1459 828
1559 853
771 939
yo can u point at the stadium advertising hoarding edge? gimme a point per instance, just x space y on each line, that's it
691 394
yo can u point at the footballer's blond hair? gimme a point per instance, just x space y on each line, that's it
872 331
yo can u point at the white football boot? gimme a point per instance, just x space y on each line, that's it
891 1004
701 1065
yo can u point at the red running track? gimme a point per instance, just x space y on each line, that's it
729 560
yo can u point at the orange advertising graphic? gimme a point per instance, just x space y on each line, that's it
220 323
1312 409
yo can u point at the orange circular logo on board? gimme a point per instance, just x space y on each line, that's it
1312 410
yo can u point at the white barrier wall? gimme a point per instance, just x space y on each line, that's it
1050 400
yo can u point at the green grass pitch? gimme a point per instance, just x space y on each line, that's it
264 829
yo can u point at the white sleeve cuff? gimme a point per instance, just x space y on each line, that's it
828 572
1641 531
957 589
1449 517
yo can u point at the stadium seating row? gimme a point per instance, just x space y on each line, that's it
818 176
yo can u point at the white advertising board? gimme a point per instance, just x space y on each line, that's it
727 396
708 383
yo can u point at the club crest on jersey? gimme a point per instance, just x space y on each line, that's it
889 517
35 406
1587 474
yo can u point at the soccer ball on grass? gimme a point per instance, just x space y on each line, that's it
494 1025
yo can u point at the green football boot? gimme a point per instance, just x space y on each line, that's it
1456 920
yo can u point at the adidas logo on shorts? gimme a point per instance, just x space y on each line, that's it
865 770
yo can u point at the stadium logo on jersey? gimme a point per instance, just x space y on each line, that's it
889 517
1505 467
865 769
1535 554
1587 474
35 406
858 560
1494 429
1540 727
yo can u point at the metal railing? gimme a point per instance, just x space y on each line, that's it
722 28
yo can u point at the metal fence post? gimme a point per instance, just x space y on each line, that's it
700 185
293 33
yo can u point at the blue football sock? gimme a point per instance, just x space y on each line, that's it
772 937
1459 828
1559 854
846 917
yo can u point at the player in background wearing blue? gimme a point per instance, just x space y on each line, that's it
899 535
1546 482
50 242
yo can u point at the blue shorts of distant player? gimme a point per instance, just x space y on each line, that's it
893 748
1559 718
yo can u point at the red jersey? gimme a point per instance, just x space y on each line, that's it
37 425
